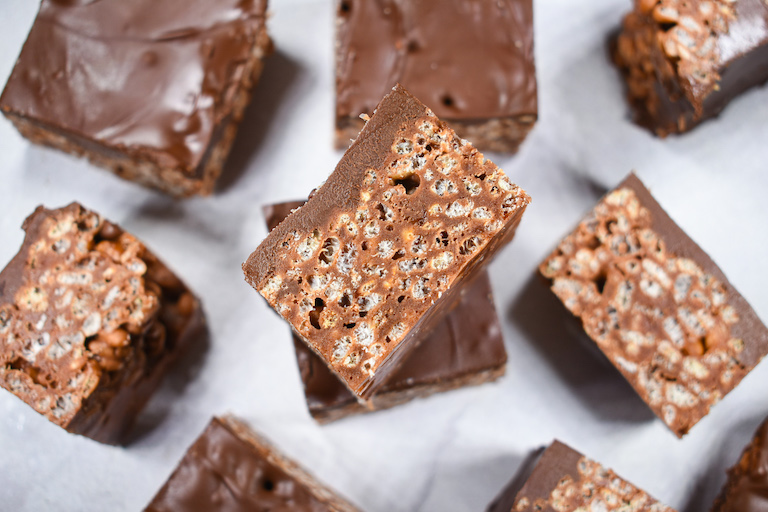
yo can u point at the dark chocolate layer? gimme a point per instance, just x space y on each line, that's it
150 78
225 471
466 59
468 341
747 487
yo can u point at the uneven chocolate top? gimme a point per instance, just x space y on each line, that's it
225 470
747 487
465 59
152 78
656 305
468 341
86 311
566 481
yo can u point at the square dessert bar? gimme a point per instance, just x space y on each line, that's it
230 467
466 348
90 321
379 253
152 90
470 62
684 60
563 480
656 305
747 486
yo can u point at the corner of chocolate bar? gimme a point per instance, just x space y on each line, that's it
747 485
505 501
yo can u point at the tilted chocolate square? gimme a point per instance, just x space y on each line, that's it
656 305
470 62
466 348
564 480
747 486
380 252
152 90
230 467
90 321
684 60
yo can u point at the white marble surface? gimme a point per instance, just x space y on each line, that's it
449 452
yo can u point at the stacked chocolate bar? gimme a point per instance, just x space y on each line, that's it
382 251
465 348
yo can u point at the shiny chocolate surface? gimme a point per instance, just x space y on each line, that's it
150 78
465 59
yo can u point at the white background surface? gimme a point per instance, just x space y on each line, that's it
456 450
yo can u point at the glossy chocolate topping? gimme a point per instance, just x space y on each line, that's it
223 472
747 488
468 341
152 78
465 59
